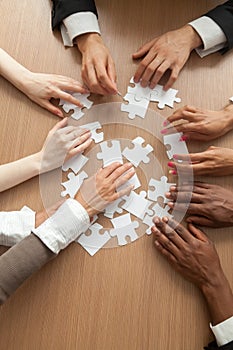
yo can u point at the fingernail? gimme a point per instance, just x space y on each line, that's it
156 220
164 131
59 113
183 138
165 123
171 164
156 243
172 188
173 172
170 204
168 194
175 156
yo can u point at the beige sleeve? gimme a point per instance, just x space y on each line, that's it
20 262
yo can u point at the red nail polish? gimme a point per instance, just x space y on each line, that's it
170 164
165 123
183 138
174 172
164 131
175 156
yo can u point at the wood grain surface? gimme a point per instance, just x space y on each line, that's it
123 298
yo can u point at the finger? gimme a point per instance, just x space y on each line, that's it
69 98
190 208
73 86
92 82
142 66
169 231
125 177
142 50
200 221
194 157
173 77
171 258
80 139
79 149
112 72
198 233
180 230
108 170
183 197
186 113
196 188
159 72
76 133
51 108
124 192
104 80
117 173
163 236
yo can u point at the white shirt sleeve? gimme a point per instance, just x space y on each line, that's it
63 227
223 331
16 225
212 35
78 24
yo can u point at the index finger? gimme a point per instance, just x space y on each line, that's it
181 231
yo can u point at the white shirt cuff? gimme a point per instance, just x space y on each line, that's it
78 24
16 225
212 35
63 227
223 331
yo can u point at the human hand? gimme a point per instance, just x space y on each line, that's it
62 143
208 205
189 251
44 214
40 88
201 124
101 189
216 161
98 69
168 51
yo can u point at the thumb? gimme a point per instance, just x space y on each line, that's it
197 233
141 51
51 108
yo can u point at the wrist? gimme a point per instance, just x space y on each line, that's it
37 159
83 41
24 76
90 211
192 36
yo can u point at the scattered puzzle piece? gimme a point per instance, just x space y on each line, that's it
93 127
124 227
73 184
164 97
110 154
95 240
75 163
67 106
176 146
139 153
135 108
137 204
160 188
158 211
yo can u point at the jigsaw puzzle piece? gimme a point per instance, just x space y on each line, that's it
124 227
73 184
164 97
75 163
95 241
133 181
138 91
137 204
176 145
160 188
110 154
158 211
139 153
135 108
93 127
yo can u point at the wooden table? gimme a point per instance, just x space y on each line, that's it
123 298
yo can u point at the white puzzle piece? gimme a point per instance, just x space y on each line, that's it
176 146
139 153
164 97
124 227
113 208
110 154
78 113
93 127
134 108
158 211
160 188
138 91
73 184
137 204
95 241
75 163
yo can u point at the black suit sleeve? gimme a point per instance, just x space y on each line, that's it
223 16
214 346
64 8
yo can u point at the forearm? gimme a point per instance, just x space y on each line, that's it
20 262
14 173
219 298
13 71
